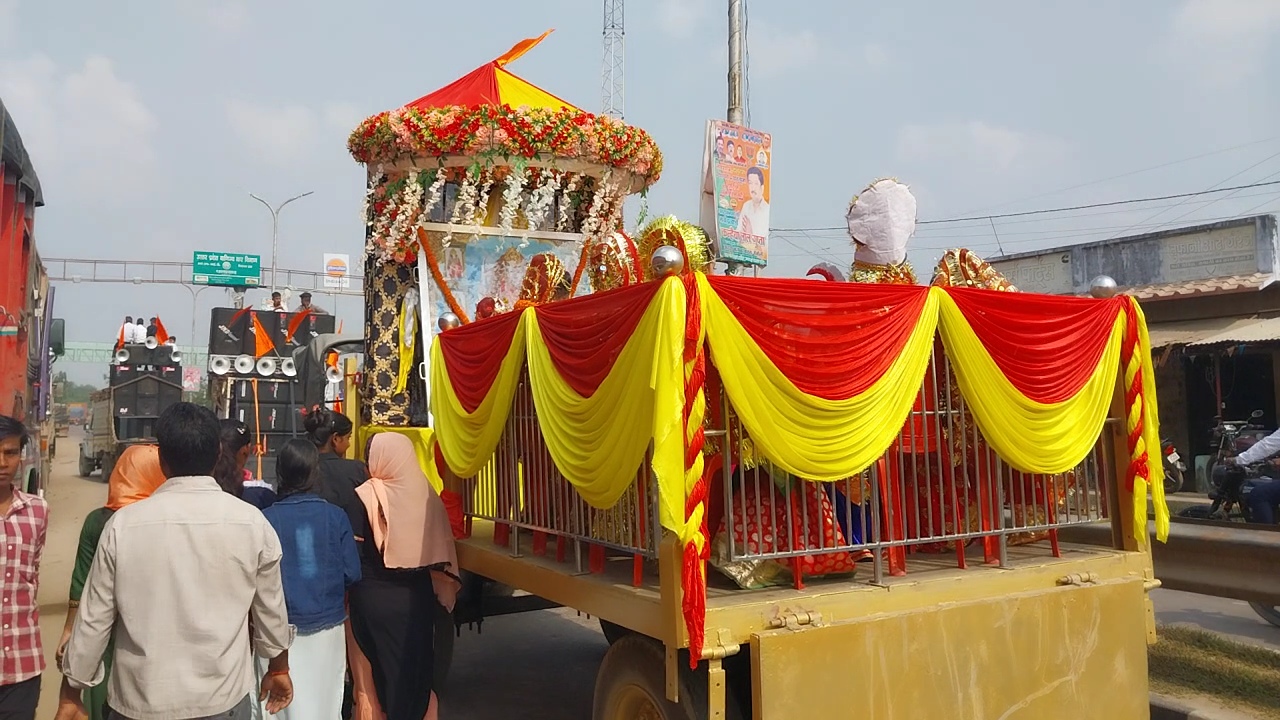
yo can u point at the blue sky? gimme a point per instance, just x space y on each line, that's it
150 122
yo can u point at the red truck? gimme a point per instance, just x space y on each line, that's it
30 338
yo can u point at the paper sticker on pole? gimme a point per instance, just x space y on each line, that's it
336 269
736 166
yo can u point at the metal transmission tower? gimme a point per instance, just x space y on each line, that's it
615 53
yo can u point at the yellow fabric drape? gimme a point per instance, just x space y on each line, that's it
1151 438
1031 436
599 442
808 436
468 440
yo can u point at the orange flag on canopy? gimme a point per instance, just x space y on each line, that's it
120 340
261 341
519 49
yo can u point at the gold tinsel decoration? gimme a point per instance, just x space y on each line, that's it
899 274
545 275
613 263
687 237
963 268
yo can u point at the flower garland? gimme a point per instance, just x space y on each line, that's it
491 131
535 212
511 196
566 214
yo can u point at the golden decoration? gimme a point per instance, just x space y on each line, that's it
963 268
899 274
613 262
545 276
688 238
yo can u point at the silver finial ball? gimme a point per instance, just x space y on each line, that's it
666 261
448 321
1103 287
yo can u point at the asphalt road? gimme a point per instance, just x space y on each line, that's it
537 666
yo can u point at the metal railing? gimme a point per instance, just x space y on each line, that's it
138 272
521 489
939 489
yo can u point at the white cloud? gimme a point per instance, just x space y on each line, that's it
88 131
225 15
679 18
286 134
775 51
1223 42
875 56
8 19
979 146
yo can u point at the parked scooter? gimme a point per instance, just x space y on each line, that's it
1174 468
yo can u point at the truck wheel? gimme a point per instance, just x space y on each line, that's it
108 465
613 632
631 686
1270 613
86 466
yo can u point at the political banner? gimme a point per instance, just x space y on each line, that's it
736 166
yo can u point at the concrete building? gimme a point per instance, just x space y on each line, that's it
1212 306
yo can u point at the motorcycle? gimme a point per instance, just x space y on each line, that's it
1174 468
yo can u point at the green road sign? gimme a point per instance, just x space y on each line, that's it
229 269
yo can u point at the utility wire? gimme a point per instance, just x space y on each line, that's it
1049 211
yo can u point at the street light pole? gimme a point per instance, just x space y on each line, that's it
275 229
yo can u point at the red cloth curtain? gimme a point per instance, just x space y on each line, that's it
473 355
832 340
1028 336
585 335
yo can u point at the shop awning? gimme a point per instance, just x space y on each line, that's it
1243 332
1187 332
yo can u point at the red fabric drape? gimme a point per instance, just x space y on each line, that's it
585 335
1029 335
473 354
833 340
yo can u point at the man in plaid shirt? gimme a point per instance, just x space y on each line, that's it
23 522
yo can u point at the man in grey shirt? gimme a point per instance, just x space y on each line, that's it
179 579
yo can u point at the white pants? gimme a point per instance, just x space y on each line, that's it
318 668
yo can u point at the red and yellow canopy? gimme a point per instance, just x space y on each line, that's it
493 84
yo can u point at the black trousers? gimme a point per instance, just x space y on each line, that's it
18 702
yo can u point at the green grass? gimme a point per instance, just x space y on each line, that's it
1187 661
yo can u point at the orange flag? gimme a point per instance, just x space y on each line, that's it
520 48
261 341
296 323
162 335
119 340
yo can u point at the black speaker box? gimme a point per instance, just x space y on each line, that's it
270 418
269 391
145 397
135 428
228 337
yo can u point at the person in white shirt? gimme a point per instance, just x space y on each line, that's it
126 330
187 582
754 218
1264 497
276 303
139 331
306 304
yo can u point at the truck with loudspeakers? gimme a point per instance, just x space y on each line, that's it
145 379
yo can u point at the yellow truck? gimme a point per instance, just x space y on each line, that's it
860 520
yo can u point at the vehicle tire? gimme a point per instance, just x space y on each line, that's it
1270 613
445 634
108 466
1195 512
613 632
86 466
631 685
1173 479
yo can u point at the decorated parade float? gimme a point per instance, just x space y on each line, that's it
783 497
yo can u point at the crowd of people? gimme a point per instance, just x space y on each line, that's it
136 332
199 591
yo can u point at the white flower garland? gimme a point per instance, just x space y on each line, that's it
598 209
562 222
540 200
464 205
480 211
511 195
434 195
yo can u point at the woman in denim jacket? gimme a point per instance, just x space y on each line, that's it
320 561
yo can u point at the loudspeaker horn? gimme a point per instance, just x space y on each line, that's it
266 366
333 375
151 342
122 356
220 365
288 368
244 364
176 356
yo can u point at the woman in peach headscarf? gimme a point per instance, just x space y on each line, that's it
136 475
409 572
